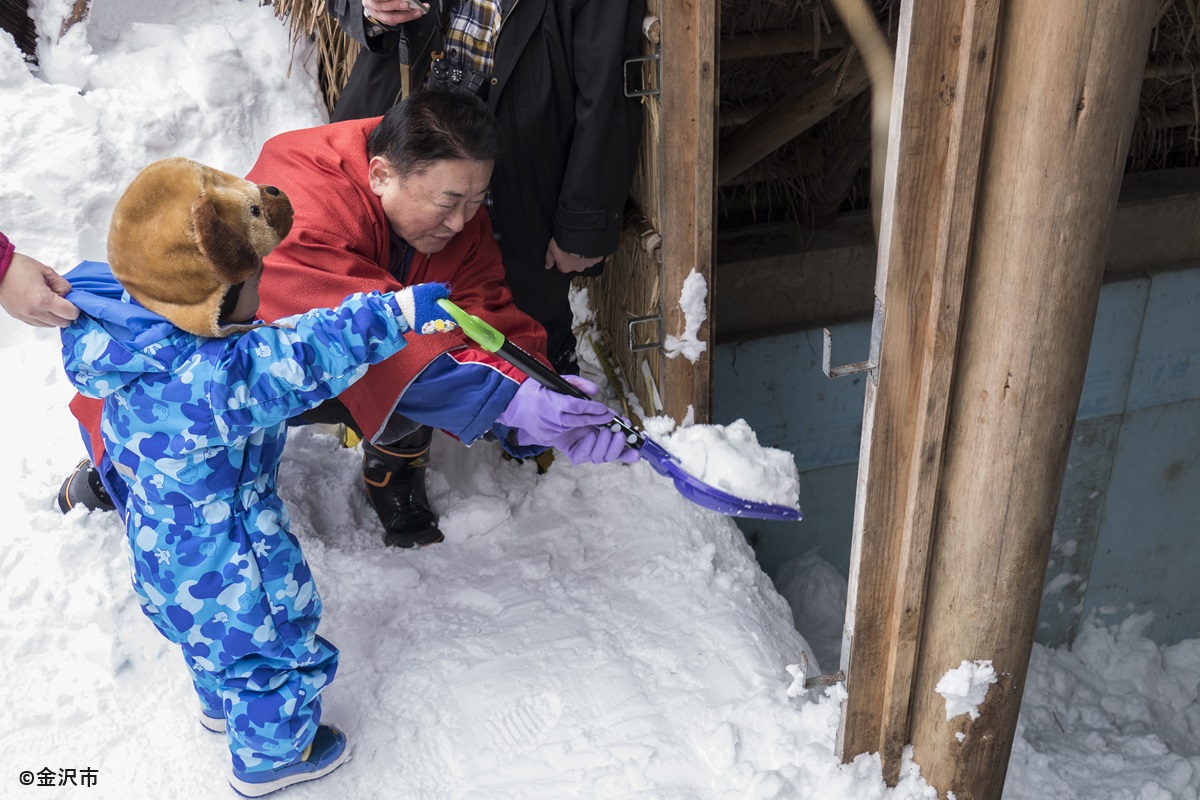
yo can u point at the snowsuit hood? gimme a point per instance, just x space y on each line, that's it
116 341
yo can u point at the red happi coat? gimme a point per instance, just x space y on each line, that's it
340 244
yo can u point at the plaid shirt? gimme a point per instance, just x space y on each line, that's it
471 35
470 41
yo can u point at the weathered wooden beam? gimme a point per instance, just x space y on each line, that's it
844 159
1172 69
787 118
731 116
78 13
1176 118
778 279
1064 101
689 103
761 44
942 85
1157 223
809 156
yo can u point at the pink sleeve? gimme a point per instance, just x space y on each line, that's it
6 253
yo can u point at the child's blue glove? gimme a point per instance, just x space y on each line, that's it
418 304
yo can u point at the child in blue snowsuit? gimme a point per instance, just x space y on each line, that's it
195 422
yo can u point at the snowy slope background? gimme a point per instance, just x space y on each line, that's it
585 633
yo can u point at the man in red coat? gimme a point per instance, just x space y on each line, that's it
388 202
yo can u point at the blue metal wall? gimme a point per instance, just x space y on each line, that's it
1130 507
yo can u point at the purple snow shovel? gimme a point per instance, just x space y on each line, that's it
654 454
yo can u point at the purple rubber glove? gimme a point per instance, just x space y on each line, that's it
577 427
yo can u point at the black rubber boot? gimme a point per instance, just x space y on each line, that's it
394 475
83 488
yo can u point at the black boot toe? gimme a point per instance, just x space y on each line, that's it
394 476
83 488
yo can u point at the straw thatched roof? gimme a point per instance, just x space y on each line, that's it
812 177
1168 128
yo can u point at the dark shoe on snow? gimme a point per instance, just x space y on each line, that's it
395 484
83 488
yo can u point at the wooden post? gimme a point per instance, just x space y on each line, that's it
79 12
689 102
943 72
1065 94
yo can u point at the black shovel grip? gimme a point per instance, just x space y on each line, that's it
547 377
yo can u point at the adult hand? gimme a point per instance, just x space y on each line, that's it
568 262
392 12
32 292
577 427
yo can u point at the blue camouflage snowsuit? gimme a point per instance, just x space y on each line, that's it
197 427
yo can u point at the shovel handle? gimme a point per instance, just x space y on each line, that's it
493 341
547 377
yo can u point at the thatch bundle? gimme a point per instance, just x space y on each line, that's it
1168 128
772 52
336 51
807 181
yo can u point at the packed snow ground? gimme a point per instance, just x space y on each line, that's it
586 633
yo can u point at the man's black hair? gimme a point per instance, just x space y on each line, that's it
435 124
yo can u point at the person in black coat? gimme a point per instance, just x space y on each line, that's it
569 135
569 139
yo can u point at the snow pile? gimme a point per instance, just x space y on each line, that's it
965 687
730 458
692 300
816 592
213 87
1114 716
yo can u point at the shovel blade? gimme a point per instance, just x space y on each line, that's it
707 495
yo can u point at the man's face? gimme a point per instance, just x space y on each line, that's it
427 209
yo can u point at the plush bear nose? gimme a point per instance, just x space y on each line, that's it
277 209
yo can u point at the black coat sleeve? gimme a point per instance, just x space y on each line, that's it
349 14
608 127
374 83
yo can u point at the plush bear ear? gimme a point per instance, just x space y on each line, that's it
230 254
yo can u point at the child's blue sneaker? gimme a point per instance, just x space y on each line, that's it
327 752
213 720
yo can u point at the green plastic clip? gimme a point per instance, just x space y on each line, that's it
485 335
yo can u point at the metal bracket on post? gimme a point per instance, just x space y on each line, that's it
825 680
872 361
637 348
639 60
652 35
